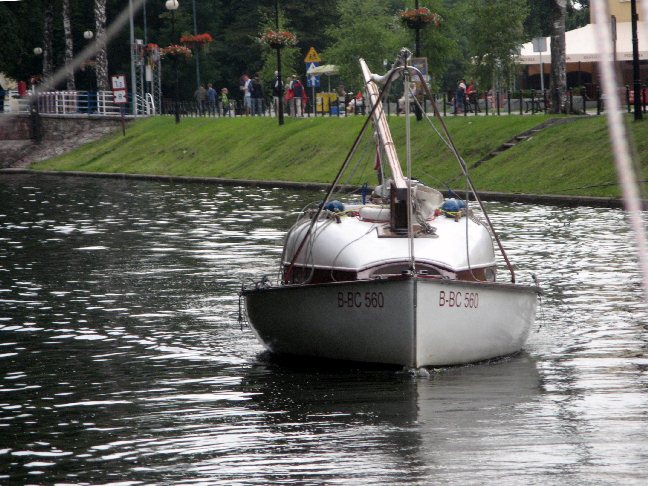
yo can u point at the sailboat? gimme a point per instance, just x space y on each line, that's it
404 277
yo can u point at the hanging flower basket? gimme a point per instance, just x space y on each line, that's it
417 18
278 39
198 40
153 54
178 53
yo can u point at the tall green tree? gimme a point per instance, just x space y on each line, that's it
538 22
69 45
367 29
290 56
558 85
442 44
48 39
101 57
494 31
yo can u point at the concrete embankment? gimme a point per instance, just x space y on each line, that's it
549 199
26 139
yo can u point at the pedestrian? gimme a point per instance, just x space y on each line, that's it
247 95
289 95
224 101
256 93
276 92
200 95
22 89
298 95
2 98
211 99
341 94
460 96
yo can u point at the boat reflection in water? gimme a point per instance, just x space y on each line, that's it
417 427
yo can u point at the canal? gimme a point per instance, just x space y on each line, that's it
122 359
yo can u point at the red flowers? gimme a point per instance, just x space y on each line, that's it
419 17
278 39
176 52
197 40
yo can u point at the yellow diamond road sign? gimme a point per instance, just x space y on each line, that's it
312 56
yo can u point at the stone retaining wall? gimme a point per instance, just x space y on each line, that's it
18 127
59 135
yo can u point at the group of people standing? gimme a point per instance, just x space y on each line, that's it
294 95
463 96
210 102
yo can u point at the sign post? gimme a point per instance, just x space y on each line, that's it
120 96
312 59
540 46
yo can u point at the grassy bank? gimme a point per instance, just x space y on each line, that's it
572 159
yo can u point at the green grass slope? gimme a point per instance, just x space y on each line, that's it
573 159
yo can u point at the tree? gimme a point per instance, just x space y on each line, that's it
494 32
441 45
69 46
48 37
367 29
558 83
538 22
101 57
289 55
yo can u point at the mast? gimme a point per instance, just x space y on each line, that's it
382 128
399 191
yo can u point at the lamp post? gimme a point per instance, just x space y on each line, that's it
172 6
195 31
417 53
37 52
280 112
88 35
635 62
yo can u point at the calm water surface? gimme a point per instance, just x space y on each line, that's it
122 361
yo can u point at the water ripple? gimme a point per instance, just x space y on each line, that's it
122 358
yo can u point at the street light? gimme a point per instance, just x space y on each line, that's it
280 112
38 51
636 79
172 6
88 35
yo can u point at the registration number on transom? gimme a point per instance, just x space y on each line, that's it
361 299
467 300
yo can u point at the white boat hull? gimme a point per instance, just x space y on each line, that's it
409 321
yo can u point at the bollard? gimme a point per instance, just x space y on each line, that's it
628 97
544 101
598 99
